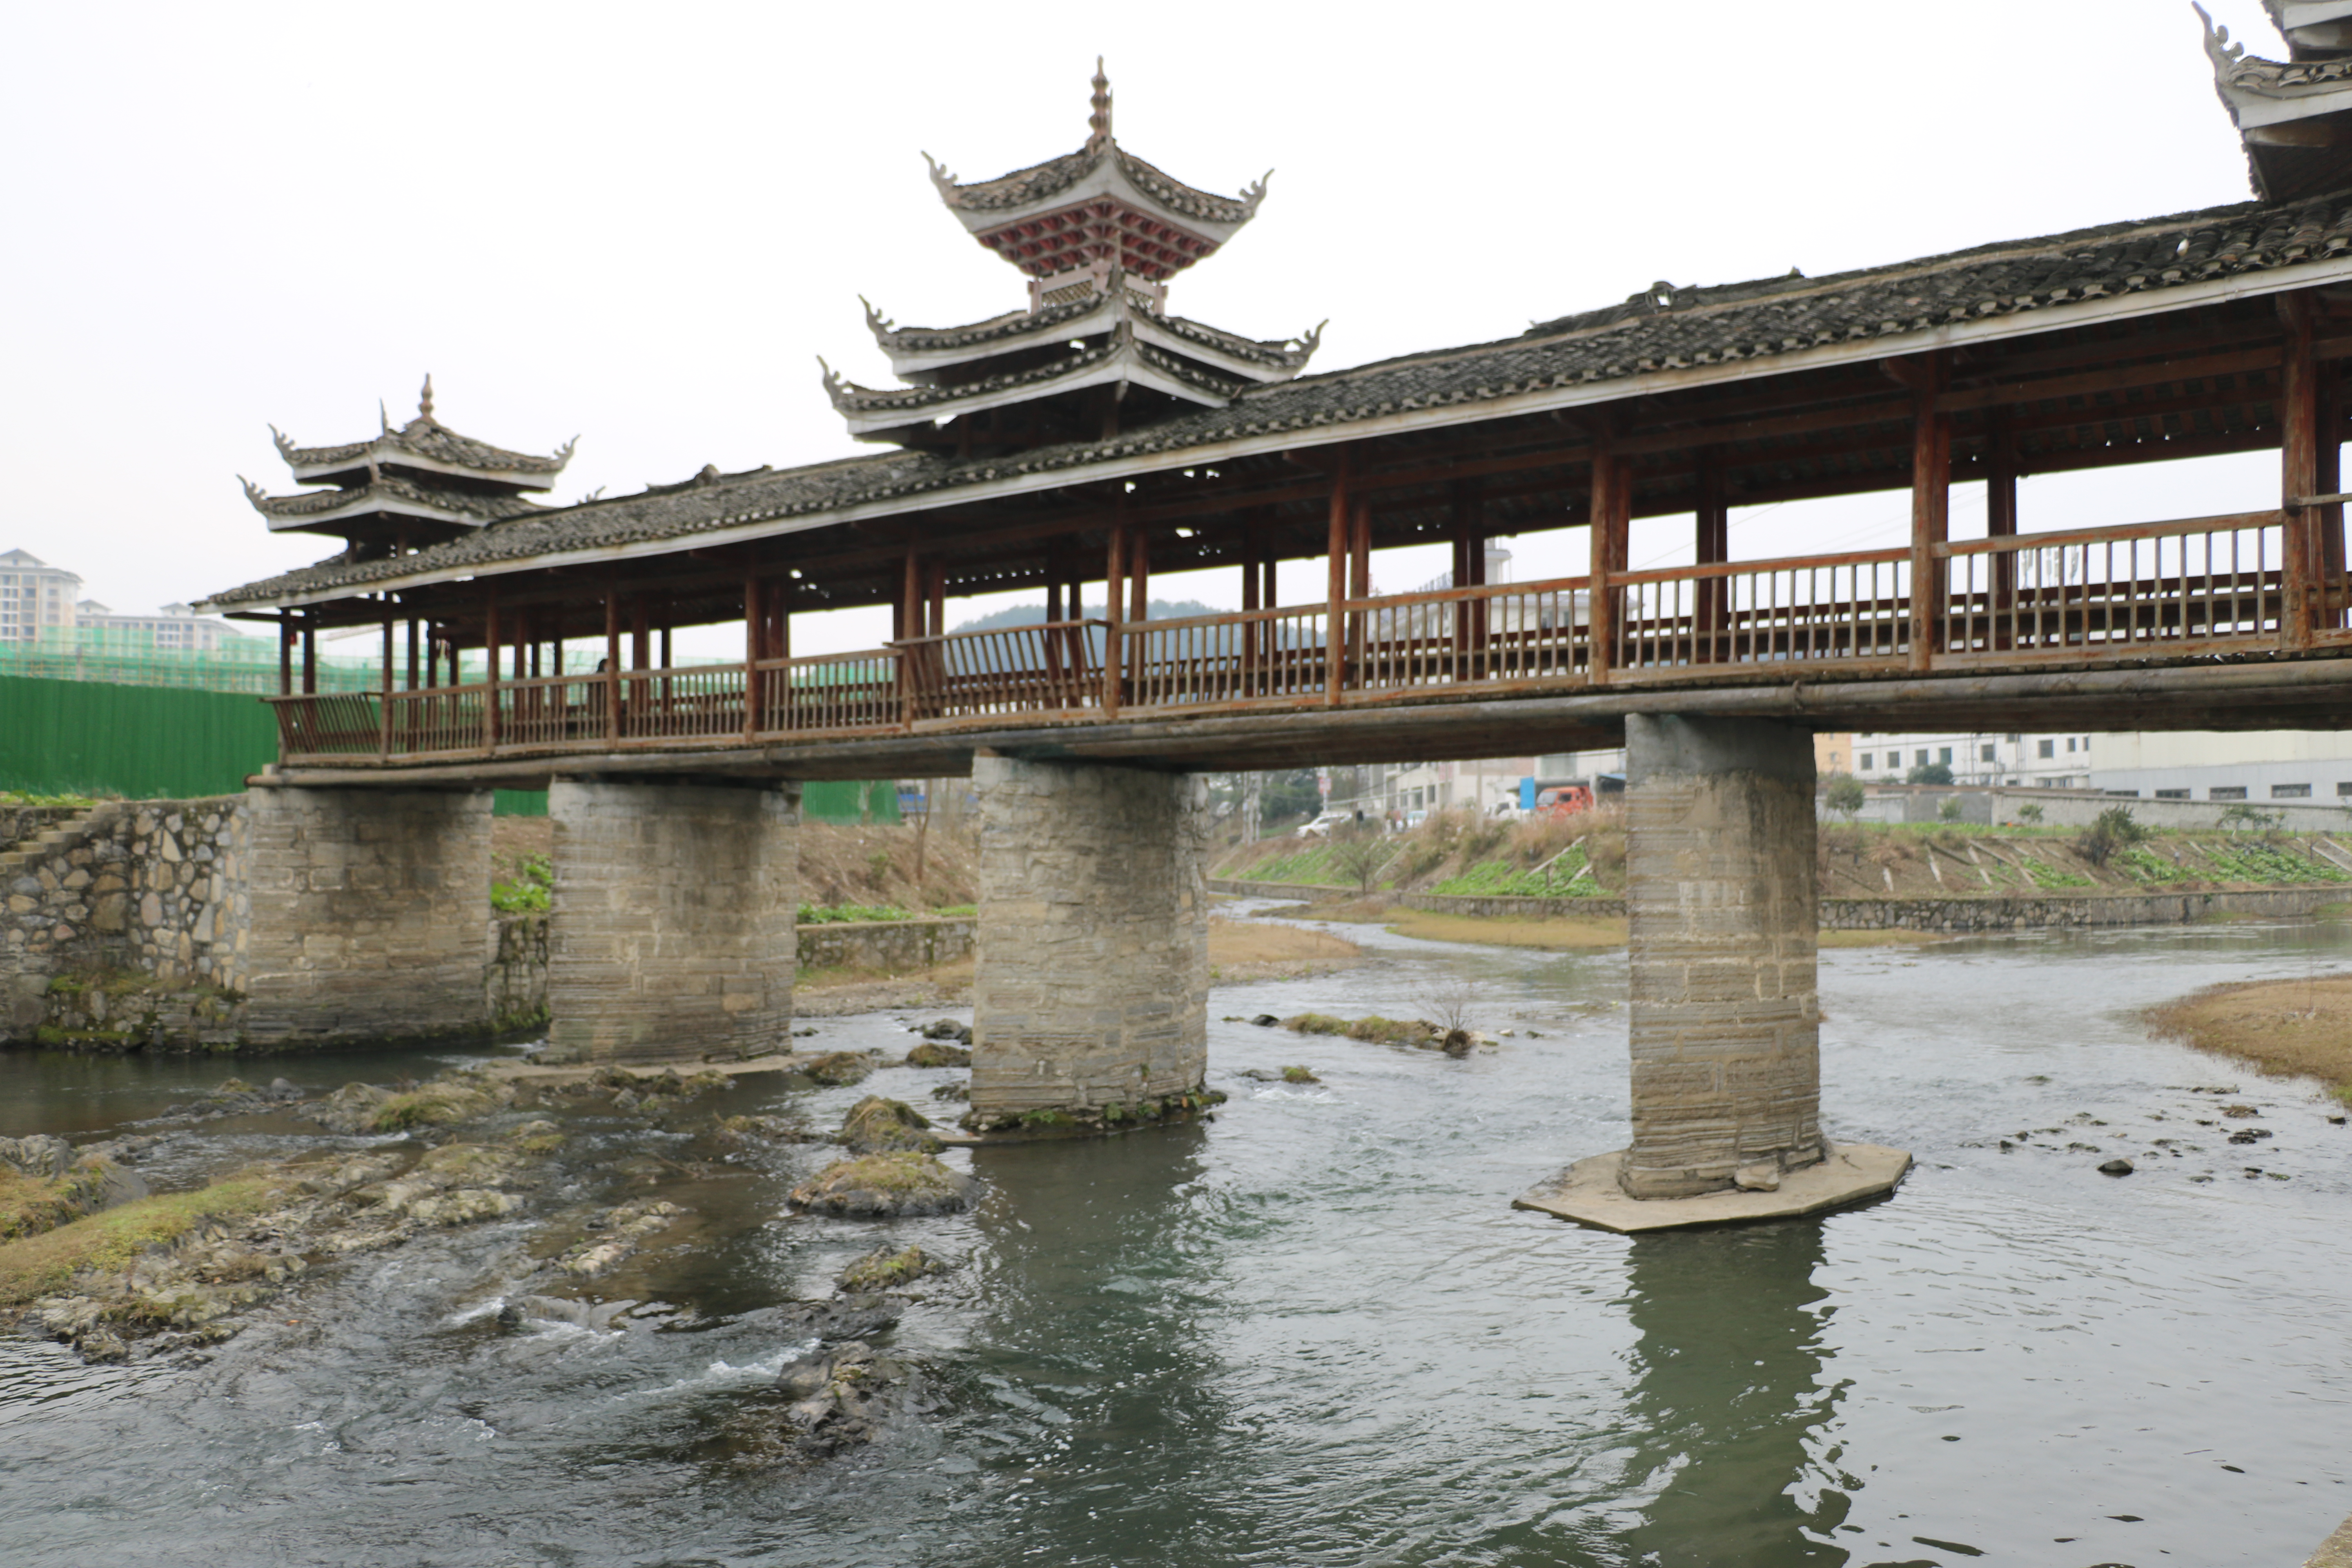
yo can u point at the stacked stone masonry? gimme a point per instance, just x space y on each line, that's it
1091 988
368 916
1725 1021
145 897
672 935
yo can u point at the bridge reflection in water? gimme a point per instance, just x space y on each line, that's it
1729 1403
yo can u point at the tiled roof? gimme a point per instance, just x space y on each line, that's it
1040 181
1735 326
422 437
388 489
1009 330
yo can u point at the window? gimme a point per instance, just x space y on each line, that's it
2290 792
1984 753
2125 793
1870 760
2344 789
2070 742
2172 794
1944 756
2047 749
1922 757
2226 791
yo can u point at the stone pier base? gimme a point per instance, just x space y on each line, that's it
1090 994
671 937
1725 1022
369 915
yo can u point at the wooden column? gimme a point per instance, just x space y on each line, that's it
2328 477
1334 629
2298 408
285 653
1711 602
491 717
1139 604
2000 523
412 653
641 648
1469 532
1114 584
1605 551
1931 514
755 637
383 697
612 664
309 653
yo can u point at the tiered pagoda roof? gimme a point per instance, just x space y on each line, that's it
421 484
2294 115
1098 233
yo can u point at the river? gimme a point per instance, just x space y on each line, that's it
1313 1332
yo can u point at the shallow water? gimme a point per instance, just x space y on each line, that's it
1313 1333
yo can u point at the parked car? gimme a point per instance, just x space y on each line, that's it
1324 824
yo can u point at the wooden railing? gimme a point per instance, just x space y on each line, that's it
2208 584
2197 586
1005 669
829 691
1850 610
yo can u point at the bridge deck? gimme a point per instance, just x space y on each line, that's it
2183 593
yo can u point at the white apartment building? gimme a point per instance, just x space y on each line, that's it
34 595
2048 760
175 627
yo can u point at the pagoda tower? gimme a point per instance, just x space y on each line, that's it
2294 115
421 484
1098 233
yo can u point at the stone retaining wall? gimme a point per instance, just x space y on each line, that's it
892 946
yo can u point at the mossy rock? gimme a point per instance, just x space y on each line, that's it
938 1054
876 1125
1299 1075
841 1069
885 1186
883 1269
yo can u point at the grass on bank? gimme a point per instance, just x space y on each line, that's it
1239 943
42 1265
1890 936
2283 1028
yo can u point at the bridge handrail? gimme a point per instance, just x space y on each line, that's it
2117 534
1743 568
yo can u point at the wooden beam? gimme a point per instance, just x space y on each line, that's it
2298 406
1931 484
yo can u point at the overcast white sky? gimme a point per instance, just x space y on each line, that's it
642 224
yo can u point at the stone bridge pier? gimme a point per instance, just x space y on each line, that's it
672 931
1724 1022
1090 996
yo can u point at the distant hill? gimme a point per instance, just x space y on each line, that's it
1031 615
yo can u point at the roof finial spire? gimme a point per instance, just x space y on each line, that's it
424 398
1098 122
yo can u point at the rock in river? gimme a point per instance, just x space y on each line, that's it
933 1054
876 1125
885 1186
2116 1168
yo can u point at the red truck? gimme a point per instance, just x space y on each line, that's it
1561 800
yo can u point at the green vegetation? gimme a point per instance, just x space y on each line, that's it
882 1269
1929 773
1311 866
2147 865
2260 861
41 1265
1299 1075
1846 795
9 797
844 914
2045 875
1509 879
532 891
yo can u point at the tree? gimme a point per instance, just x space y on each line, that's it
1845 795
2112 830
1359 855
1289 795
1949 811
2030 812
1929 773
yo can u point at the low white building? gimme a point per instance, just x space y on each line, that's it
2045 760
175 627
2255 765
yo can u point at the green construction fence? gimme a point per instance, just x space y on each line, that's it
161 742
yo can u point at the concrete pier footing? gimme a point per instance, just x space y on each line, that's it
367 916
1091 992
672 935
1724 1019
